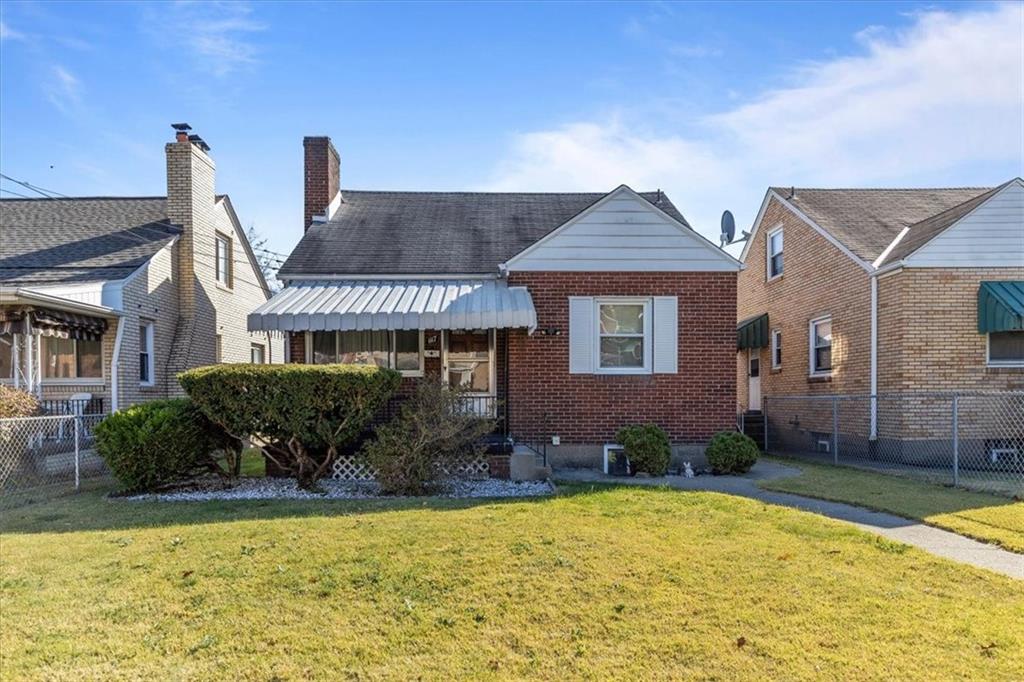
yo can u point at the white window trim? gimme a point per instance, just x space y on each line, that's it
263 351
810 355
72 381
219 237
768 254
337 341
989 362
151 363
648 335
775 335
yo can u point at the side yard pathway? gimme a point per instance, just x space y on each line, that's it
934 540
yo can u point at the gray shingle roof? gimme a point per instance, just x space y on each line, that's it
409 233
80 239
867 220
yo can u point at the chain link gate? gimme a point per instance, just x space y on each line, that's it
42 457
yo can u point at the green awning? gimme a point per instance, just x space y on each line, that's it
752 332
1000 306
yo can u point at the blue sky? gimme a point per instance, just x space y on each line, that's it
709 102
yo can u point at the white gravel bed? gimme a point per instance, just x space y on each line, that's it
285 489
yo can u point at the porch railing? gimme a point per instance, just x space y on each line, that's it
72 407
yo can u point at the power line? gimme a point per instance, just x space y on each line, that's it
48 193
17 194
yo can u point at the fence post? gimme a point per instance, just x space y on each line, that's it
835 429
764 419
78 482
956 439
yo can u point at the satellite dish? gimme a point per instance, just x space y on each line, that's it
728 228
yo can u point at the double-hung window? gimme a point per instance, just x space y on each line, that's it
257 354
72 358
776 349
401 350
623 336
1006 349
821 346
223 259
774 249
146 354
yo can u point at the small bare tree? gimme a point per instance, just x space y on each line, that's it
435 430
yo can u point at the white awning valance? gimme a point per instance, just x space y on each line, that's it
396 304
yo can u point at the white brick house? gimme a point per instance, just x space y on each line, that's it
107 298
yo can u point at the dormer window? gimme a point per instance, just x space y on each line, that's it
223 259
774 248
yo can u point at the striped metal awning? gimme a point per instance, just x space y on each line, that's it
752 332
396 304
1000 306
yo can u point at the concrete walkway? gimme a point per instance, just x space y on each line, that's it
934 540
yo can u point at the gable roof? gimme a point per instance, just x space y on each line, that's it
866 221
923 232
435 233
80 239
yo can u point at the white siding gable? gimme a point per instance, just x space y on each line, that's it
992 235
623 233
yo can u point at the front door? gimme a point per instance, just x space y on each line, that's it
469 363
754 379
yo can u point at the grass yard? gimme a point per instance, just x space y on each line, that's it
990 518
599 582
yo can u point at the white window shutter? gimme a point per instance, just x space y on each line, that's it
666 335
581 335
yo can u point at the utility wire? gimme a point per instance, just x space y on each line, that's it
17 194
48 193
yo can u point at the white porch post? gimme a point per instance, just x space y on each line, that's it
16 368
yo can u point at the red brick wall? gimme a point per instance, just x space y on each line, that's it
692 405
322 176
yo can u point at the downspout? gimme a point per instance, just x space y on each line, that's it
874 357
115 359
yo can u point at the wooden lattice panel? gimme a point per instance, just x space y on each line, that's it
358 469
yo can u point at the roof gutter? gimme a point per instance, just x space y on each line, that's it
31 296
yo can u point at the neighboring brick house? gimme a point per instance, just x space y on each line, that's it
568 315
107 298
875 292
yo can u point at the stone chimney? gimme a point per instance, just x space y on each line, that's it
190 203
322 176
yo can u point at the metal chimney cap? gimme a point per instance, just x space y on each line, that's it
181 127
198 141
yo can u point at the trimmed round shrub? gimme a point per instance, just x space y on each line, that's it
299 415
17 403
154 444
647 448
731 452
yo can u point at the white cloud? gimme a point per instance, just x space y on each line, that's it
218 34
8 33
915 107
63 89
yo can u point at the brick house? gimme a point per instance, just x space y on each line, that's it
874 292
566 315
103 300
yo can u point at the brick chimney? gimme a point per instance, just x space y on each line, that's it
190 202
322 176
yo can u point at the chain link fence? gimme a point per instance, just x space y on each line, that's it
44 457
973 440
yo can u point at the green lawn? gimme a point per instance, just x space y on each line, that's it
599 582
986 517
